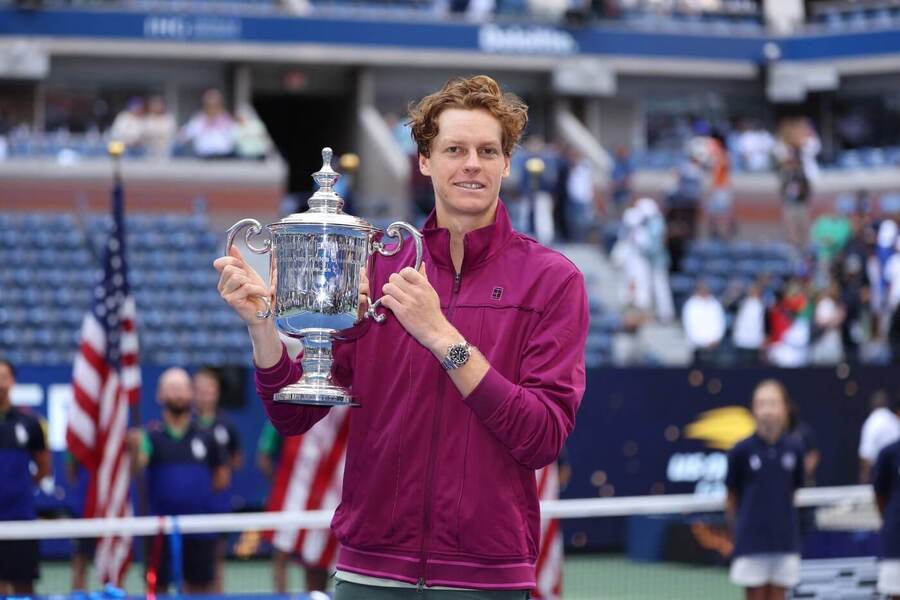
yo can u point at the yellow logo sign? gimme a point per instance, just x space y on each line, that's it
722 428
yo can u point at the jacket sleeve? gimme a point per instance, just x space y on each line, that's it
296 419
534 416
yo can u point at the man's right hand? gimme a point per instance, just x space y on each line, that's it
241 286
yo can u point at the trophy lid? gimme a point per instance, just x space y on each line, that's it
325 205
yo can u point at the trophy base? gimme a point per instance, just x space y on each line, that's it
315 394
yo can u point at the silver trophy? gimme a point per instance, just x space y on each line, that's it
315 262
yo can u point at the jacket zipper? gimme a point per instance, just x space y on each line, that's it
429 473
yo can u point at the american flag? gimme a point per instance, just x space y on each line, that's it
107 379
309 477
550 558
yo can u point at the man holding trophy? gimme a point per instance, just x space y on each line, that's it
467 381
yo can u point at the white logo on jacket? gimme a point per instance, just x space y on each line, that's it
755 462
198 448
789 461
21 434
221 433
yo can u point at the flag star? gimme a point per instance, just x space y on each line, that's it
116 262
113 244
99 291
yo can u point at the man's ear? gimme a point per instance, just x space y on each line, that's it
505 165
424 165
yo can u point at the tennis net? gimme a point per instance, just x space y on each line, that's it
666 546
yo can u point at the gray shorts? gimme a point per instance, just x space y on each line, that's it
345 590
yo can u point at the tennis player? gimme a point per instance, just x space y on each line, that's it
764 471
886 481
469 387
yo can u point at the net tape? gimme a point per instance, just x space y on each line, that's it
850 506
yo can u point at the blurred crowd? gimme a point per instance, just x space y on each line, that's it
840 304
149 130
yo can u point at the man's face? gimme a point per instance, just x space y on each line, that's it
466 164
6 381
206 391
175 393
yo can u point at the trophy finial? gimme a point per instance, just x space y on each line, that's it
326 177
325 199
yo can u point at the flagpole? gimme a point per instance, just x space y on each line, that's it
116 150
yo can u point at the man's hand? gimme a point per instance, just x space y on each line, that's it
241 287
416 304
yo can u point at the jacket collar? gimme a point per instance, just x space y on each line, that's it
480 245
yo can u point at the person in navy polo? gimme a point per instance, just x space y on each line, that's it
886 481
207 391
764 471
184 467
22 442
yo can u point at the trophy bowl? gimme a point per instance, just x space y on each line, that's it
315 259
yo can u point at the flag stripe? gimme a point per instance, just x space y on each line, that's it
548 570
310 476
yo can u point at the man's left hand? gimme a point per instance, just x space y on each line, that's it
416 304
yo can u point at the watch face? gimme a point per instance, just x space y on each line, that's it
458 355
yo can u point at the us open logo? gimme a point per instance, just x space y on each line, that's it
497 293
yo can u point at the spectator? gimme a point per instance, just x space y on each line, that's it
22 444
788 343
211 132
128 127
795 154
185 467
652 244
703 319
829 234
620 179
850 272
754 147
878 274
749 330
881 427
636 283
719 204
685 200
251 138
159 128
207 390
864 331
628 348
581 188
827 347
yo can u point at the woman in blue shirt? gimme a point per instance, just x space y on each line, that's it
764 471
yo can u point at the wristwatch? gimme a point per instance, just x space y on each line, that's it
457 356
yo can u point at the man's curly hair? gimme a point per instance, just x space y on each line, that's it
470 93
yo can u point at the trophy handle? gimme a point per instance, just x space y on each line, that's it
254 229
393 231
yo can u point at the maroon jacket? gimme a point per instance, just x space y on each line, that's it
440 489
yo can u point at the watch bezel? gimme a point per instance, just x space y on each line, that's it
457 355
